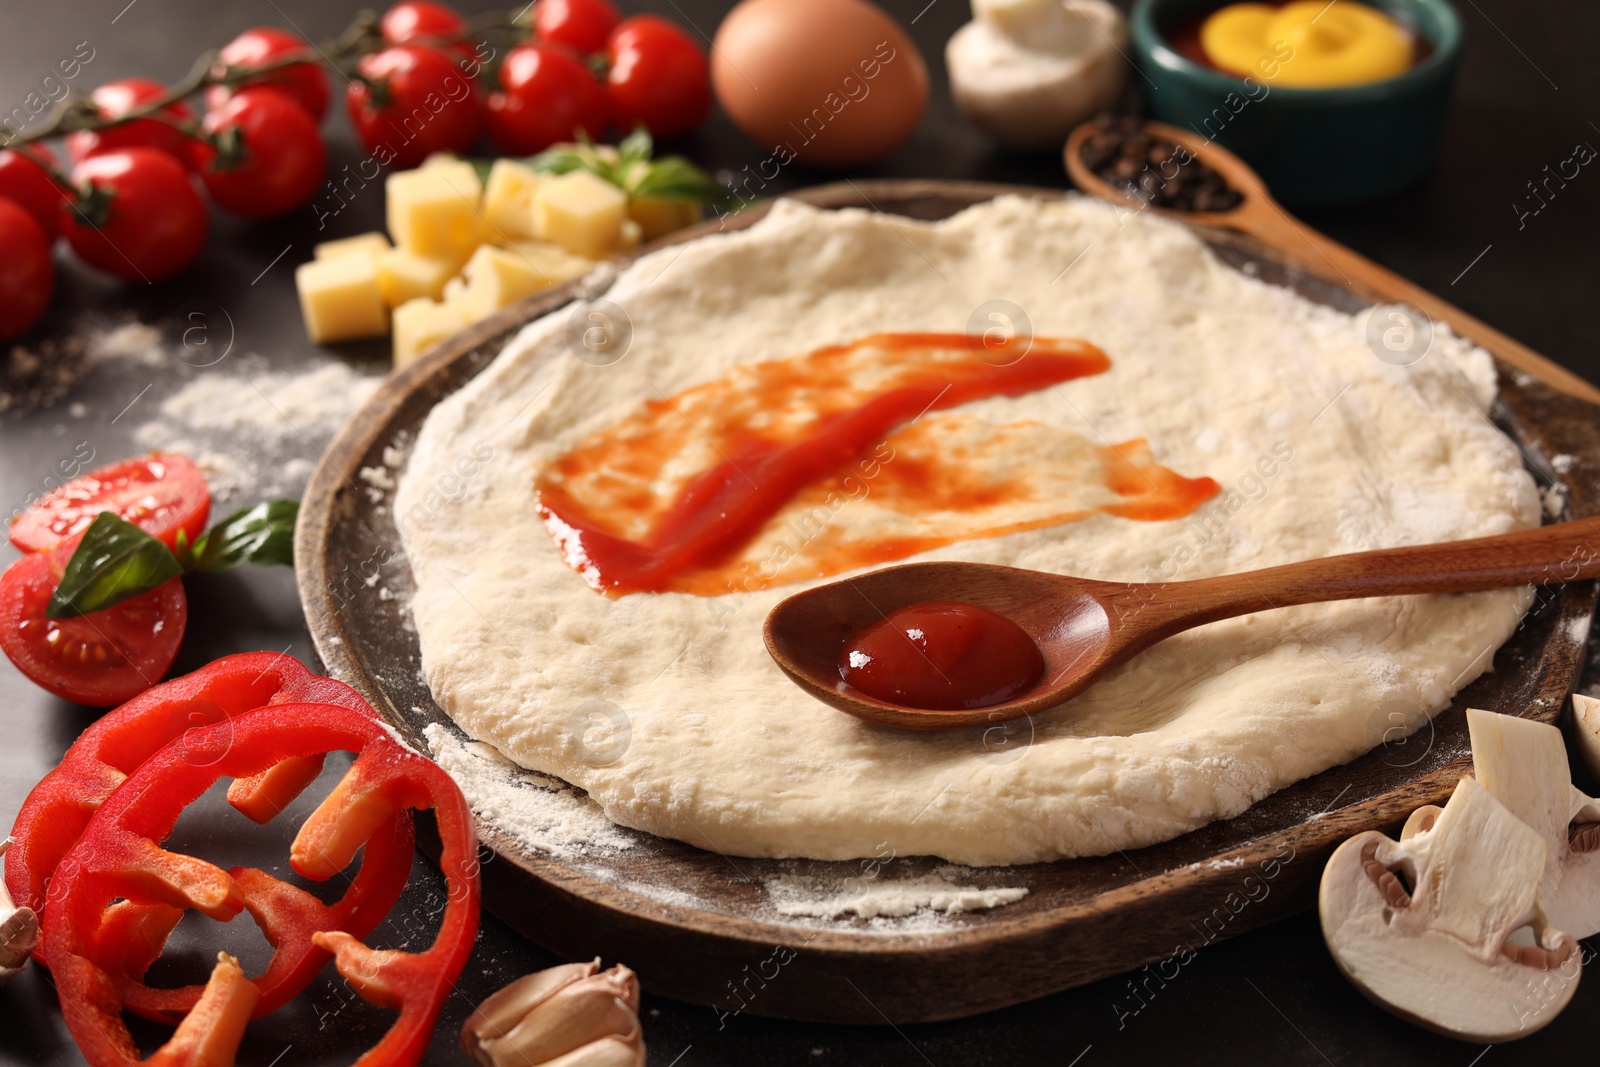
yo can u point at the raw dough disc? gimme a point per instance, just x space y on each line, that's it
666 708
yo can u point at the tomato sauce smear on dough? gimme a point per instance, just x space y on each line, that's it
849 456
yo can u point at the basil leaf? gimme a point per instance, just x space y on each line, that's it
115 561
263 534
675 178
636 147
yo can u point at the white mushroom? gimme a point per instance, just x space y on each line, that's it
1463 951
1524 765
1586 730
1027 71
19 929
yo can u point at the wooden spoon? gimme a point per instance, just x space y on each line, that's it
1085 628
1264 218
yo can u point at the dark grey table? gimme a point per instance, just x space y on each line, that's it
1530 91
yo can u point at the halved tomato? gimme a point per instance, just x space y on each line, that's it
161 494
101 659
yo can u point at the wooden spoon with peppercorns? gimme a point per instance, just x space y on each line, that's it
1179 176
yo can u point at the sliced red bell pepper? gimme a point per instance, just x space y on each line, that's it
61 805
117 858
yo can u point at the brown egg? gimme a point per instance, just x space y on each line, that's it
829 82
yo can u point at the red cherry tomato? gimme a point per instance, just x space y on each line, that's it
120 97
273 158
425 105
24 180
304 83
418 18
162 493
582 25
142 219
658 77
100 659
420 22
27 277
546 95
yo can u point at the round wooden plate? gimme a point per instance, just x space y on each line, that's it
701 927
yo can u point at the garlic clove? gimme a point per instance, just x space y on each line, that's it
607 1052
571 1015
502 1010
19 929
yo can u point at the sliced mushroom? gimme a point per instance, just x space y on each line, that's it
1436 927
1524 765
19 929
1027 71
1586 730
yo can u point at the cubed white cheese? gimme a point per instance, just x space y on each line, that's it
373 243
656 217
508 201
422 323
339 298
581 212
403 276
434 211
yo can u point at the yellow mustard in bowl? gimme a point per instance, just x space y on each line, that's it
1329 44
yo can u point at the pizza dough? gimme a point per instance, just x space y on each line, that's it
666 707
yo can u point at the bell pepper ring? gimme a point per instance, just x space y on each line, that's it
117 859
55 813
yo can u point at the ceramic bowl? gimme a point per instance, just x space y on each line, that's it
1313 147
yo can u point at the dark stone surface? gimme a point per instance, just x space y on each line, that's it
1528 93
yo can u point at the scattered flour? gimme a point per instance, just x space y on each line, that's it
1563 463
256 435
540 812
800 894
135 341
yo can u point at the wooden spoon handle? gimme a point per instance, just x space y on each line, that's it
1265 220
1547 555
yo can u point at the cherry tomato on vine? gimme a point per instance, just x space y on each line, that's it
420 103
162 493
119 97
137 215
24 180
546 95
100 659
582 25
271 159
658 77
421 22
304 83
27 277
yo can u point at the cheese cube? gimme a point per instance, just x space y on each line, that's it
495 278
508 200
373 243
433 211
552 262
455 291
656 217
340 299
630 236
403 275
580 212
420 324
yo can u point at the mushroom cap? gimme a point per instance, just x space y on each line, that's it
1030 100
